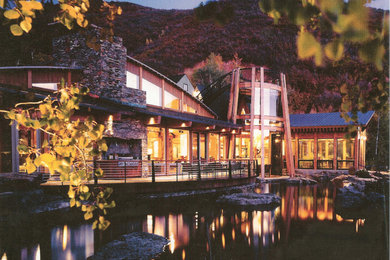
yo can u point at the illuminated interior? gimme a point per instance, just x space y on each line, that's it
345 153
306 153
156 143
178 145
213 146
325 153
171 101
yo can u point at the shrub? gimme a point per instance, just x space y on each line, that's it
363 174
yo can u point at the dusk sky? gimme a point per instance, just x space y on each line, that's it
189 4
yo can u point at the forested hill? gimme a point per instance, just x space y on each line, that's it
173 40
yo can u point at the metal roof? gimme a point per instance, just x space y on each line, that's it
327 119
39 67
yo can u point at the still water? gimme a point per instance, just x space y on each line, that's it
305 226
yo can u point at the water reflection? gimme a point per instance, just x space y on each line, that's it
201 232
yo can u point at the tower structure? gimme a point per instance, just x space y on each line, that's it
258 102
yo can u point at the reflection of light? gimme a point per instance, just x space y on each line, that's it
221 220
359 223
212 227
247 230
38 253
339 218
223 240
183 254
278 235
4 257
321 215
149 222
64 237
172 244
233 235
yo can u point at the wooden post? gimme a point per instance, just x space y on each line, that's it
252 113
230 169
235 96
153 172
230 107
315 151
140 78
356 154
287 129
69 78
296 150
262 100
163 95
334 152
249 168
29 78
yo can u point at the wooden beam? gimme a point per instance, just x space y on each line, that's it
252 129
230 107
29 78
287 129
140 78
356 153
163 95
262 100
235 95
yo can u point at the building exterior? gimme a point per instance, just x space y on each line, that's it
184 82
243 117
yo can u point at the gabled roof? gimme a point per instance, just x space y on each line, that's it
177 78
327 119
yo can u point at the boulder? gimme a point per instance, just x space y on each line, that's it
250 200
136 245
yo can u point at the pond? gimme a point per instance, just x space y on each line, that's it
305 226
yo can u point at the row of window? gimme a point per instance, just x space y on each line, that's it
325 153
154 94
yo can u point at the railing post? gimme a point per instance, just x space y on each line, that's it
230 169
177 171
249 168
199 173
257 168
125 171
153 172
94 169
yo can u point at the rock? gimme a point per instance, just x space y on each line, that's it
349 197
251 200
292 180
136 245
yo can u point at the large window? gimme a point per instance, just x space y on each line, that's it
188 108
195 155
153 93
272 103
171 101
178 145
202 146
345 153
242 147
223 146
213 146
306 153
156 144
132 80
325 154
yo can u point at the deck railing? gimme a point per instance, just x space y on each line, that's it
128 171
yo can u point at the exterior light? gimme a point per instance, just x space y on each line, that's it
234 131
364 138
151 121
150 151
109 125
207 128
183 125
223 130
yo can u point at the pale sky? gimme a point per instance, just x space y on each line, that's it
190 4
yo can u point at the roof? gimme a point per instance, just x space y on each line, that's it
39 67
327 119
171 81
177 78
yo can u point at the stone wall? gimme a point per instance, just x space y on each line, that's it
103 64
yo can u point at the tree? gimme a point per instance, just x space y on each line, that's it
19 14
211 71
69 150
332 31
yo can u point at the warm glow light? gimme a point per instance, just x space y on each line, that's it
223 130
151 121
223 240
183 125
64 237
339 218
149 223
234 131
183 254
172 244
109 125
233 235
38 253
4 257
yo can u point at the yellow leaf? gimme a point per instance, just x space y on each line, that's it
119 11
104 147
25 25
85 189
334 50
30 167
11 14
16 30
308 47
31 5
2 3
